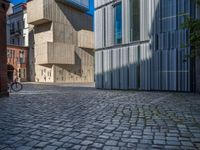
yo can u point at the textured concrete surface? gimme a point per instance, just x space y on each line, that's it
80 117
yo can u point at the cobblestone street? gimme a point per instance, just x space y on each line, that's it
81 117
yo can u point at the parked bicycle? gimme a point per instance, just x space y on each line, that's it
15 86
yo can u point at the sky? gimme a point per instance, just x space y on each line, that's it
91 4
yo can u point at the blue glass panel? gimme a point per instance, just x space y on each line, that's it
168 15
80 4
118 23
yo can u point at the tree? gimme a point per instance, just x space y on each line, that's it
194 27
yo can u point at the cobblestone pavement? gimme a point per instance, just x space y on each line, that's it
69 117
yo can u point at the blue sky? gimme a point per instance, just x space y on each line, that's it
91 4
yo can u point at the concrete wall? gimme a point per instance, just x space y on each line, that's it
44 73
81 71
55 53
86 39
31 54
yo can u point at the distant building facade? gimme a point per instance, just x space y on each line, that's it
140 45
18 35
17 58
63 40
18 31
4 4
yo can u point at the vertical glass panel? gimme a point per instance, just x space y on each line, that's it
134 20
183 11
168 15
118 23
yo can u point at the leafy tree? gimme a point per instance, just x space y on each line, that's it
194 26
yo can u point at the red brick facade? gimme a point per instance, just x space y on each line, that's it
17 57
3 53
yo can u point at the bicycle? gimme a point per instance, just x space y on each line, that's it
15 86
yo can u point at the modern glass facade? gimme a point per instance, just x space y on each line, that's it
145 50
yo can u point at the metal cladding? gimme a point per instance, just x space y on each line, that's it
157 61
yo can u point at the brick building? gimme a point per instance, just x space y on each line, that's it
17 59
3 67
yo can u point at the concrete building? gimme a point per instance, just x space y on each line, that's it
17 26
63 40
4 4
140 45
17 60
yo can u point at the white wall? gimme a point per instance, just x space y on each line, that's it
14 18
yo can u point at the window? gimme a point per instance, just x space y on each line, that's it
23 42
17 60
12 28
104 26
18 25
49 73
13 54
60 72
118 23
22 73
23 24
134 20
8 53
12 41
22 57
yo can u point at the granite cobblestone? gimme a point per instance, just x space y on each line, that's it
62 116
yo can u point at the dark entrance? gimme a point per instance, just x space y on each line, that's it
10 71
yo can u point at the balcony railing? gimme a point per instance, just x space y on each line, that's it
80 4
16 32
12 31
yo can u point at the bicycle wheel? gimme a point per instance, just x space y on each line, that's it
16 86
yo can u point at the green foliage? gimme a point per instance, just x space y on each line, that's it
194 26
198 2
